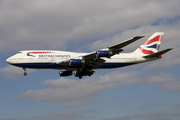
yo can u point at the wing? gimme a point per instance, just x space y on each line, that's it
94 59
125 43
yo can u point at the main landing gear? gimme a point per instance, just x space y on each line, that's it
25 73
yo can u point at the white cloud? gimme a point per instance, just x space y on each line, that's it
172 86
170 39
168 81
51 24
67 89
81 92
45 24
161 78
11 72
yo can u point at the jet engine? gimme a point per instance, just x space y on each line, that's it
76 62
104 53
65 73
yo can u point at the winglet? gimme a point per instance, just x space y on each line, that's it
144 34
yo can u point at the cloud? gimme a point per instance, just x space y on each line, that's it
81 92
149 105
119 118
170 39
76 103
58 116
146 116
47 24
176 115
154 116
171 86
10 119
168 81
177 106
88 110
161 78
11 72
54 24
67 89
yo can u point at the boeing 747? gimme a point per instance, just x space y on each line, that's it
85 64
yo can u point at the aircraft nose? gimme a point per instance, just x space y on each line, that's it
8 60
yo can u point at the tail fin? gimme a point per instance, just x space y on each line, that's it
151 45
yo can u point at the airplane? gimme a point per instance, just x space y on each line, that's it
85 64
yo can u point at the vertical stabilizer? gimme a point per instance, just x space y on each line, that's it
151 45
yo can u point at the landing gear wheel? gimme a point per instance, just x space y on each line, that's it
25 73
80 77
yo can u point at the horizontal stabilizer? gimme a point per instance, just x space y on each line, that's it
158 53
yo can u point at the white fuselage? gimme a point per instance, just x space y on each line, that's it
47 59
84 64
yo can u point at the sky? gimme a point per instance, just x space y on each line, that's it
147 91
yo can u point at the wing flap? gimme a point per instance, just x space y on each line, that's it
95 63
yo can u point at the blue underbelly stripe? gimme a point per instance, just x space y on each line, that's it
56 66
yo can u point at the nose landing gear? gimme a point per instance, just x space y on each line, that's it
25 73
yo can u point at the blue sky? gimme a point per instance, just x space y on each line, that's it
147 91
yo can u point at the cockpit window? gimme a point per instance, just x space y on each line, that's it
19 52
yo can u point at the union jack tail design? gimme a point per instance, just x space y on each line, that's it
151 45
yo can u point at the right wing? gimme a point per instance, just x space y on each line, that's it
118 47
94 59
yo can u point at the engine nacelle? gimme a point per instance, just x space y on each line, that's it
103 53
65 73
75 62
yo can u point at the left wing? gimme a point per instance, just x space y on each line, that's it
94 59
